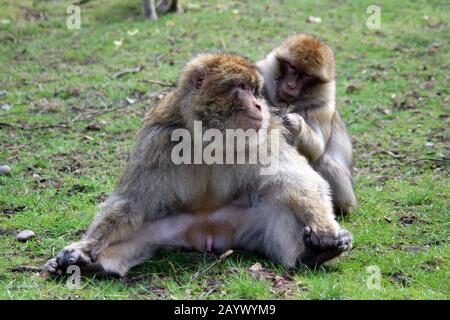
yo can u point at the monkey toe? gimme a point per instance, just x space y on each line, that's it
344 242
69 256
50 268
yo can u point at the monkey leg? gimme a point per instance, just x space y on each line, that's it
277 233
150 9
119 257
115 223
340 180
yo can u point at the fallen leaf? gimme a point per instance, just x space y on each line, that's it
118 43
126 71
312 19
132 32
256 267
130 100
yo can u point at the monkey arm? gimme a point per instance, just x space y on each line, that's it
309 142
336 167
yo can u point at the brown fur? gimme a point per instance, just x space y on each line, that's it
318 130
145 211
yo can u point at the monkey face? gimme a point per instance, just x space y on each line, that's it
303 64
293 83
226 94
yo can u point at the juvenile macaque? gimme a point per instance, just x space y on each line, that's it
203 206
299 76
153 7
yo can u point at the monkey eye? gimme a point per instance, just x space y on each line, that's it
242 86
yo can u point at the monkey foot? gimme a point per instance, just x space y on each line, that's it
78 253
319 249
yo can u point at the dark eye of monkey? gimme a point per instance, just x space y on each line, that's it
246 87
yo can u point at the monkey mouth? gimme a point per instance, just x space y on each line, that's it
254 117
286 97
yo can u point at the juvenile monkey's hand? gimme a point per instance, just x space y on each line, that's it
294 122
323 246
78 253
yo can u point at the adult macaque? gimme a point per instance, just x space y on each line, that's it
158 203
299 76
153 7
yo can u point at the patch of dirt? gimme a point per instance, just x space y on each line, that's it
9 209
156 287
77 188
7 232
45 183
283 285
131 281
408 219
101 197
433 265
211 285
73 167
32 15
410 249
400 278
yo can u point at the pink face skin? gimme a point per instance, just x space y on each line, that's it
292 83
250 116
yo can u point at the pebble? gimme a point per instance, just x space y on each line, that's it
6 106
24 235
5 170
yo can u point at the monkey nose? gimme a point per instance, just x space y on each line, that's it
258 106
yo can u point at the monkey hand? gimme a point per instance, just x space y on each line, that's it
78 253
294 122
323 246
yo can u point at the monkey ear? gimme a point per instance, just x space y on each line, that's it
197 78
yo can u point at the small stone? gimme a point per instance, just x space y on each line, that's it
313 19
385 111
5 170
429 144
6 106
24 235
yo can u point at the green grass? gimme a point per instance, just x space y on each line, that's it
56 76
